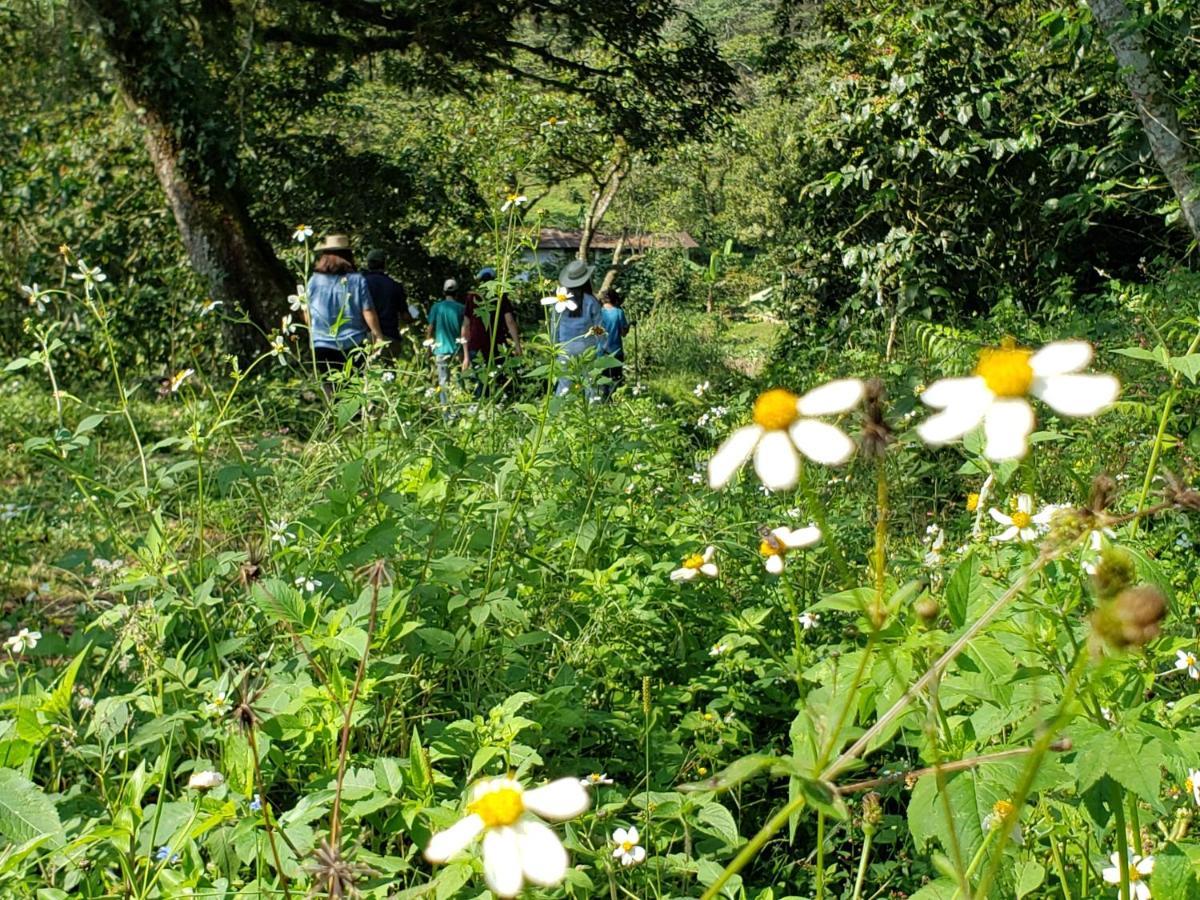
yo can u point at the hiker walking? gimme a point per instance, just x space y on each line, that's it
490 331
616 326
340 313
444 336
576 326
387 295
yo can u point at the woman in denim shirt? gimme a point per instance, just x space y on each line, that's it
340 314
577 330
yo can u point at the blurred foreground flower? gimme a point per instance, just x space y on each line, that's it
1001 810
203 781
23 640
628 850
1139 868
516 846
782 430
1192 783
995 395
775 544
697 564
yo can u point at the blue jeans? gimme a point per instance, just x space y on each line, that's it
444 363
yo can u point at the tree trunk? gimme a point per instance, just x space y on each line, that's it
602 198
221 240
1159 117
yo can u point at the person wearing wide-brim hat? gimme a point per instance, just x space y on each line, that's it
576 318
340 314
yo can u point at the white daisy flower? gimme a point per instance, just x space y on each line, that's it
280 534
23 640
1192 784
302 234
933 557
298 300
697 564
88 275
517 847
1020 524
595 780
1186 659
628 850
782 430
307 584
1001 810
33 293
203 781
553 122
179 378
217 705
995 395
209 305
699 389
286 326
808 620
513 200
388 377
560 300
1140 868
776 544
718 649
279 349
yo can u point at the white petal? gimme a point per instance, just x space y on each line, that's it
731 455
1145 866
1140 890
709 553
820 442
445 844
1077 395
638 853
1007 535
1028 534
632 835
1025 503
502 861
1111 875
1007 426
618 852
558 800
549 301
798 537
684 574
970 391
776 462
543 859
999 516
953 422
834 397
709 569
1060 357
774 564
619 836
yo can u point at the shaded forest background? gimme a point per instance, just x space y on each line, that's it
858 159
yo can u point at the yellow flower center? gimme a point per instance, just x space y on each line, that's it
694 561
502 806
1002 808
1006 370
770 548
1134 874
1189 785
594 778
1021 519
972 502
1190 660
776 409
302 228
553 120
626 846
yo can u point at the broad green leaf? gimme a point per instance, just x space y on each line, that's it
716 819
735 773
1030 875
26 812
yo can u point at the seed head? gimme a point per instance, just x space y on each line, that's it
872 811
1114 573
1132 619
1104 491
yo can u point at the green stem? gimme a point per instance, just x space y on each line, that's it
878 613
820 855
1159 437
797 633
1058 868
1122 840
817 511
862 864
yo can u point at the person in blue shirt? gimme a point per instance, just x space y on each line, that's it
340 314
616 325
444 336
577 328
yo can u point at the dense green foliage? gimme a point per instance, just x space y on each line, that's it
261 641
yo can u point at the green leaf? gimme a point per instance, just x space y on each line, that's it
1174 876
280 601
1132 760
26 812
735 773
964 583
716 819
822 796
1030 875
1187 366
58 702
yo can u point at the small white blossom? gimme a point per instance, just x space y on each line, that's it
179 378
697 564
280 533
513 200
718 649
298 300
302 234
776 544
628 849
307 584
595 779
209 305
87 275
561 300
1186 659
1020 524
1139 869
23 640
699 389
808 620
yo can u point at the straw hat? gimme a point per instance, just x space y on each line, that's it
332 242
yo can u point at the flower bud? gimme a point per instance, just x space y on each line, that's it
872 812
1104 490
1133 618
1114 573
928 609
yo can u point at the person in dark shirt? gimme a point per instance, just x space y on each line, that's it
391 302
480 317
